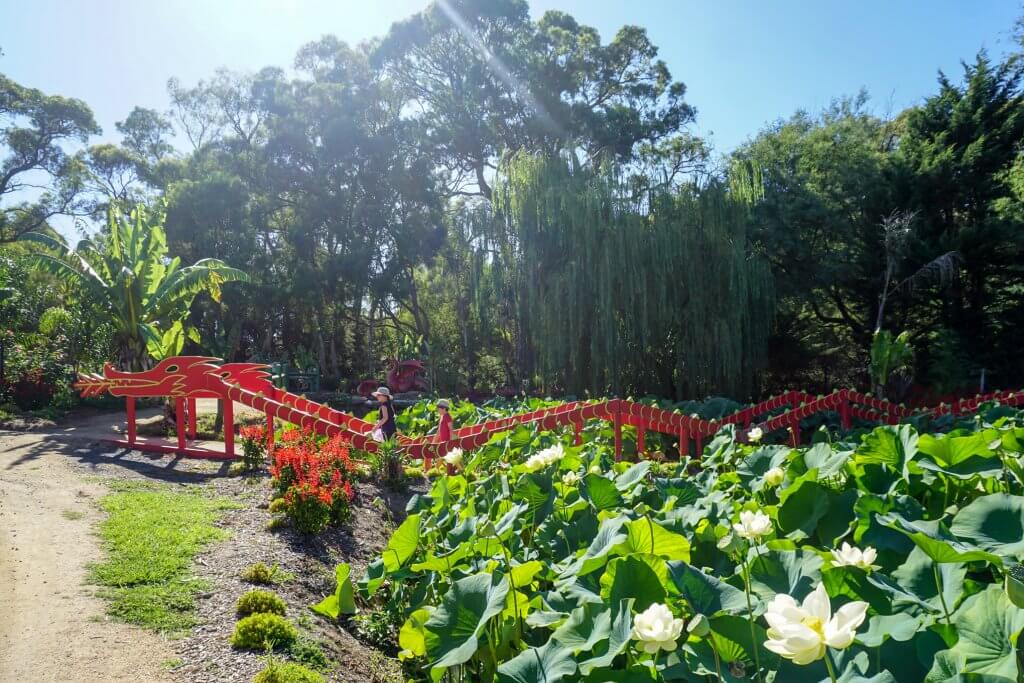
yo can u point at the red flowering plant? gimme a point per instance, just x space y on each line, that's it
312 476
254 446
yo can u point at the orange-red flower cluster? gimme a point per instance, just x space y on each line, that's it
313 476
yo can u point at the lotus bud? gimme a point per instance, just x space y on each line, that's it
699 626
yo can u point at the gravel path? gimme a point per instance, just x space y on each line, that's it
59 632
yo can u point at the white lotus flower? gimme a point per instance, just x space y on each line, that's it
801 632
454 457
755 435
848 556
657 629
774 476
753 525
595 469
546 457
570 478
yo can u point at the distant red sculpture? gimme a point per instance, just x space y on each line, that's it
403 376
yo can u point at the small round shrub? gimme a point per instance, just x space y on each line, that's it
277 505
257 631
260 602
261 574
287 672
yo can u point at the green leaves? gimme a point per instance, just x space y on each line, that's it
988 631
994 523
343 601
454 627
402 544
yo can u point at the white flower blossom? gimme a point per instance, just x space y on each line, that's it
848 556
546 457
595 469
570 478
774 476
454 457
657 629
755 435
801 632
753 525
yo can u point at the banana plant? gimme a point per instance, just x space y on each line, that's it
888 355
127 276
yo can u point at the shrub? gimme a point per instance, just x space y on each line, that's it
254 446
260 602
277 505
260 631
310 652
286 672
313 477
262 575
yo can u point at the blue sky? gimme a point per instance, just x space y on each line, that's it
745 63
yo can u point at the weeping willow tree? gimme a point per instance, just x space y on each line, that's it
603 292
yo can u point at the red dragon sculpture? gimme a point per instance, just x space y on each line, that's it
178 377
403 376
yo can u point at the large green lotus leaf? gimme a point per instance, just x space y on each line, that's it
601 492
412 636
804 503
732 639
618 638
647 537
607 675
839 518
949 450
586 627
856 584
917 576
706 593
549 663
970 468
824 458
402 544
994 522
631 477
1015 584
908 660
869 531
342 601
641 577
900 627
372 578
753 467
793 573
454 627
892 446
525 573
609 536
939 544
443 564
987 630
536 490
683 490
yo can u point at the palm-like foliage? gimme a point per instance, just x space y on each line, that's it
126 274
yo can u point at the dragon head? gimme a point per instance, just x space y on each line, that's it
177 376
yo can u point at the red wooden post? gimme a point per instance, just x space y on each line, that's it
130 409
179 405
617 419
270 432
794 430
191 406
684 443
844 413
641 438
578 428
229 426
698 439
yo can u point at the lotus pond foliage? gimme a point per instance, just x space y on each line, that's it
876 556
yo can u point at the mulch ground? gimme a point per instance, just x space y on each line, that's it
205 653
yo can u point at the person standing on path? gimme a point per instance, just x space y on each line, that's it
386 422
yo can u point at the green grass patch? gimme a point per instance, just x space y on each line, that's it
73 515
151 534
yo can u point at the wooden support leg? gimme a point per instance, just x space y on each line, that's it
229 427
844 414
578 428
130 409
191 418
684 443
641 438
794 430
270 433
179 410
618 436
699 442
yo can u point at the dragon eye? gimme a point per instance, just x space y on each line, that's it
225 373
172 368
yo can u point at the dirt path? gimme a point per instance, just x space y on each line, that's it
51 627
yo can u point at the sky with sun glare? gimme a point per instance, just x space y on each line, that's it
745 63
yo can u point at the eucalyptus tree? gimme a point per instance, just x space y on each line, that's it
34 130
127 278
